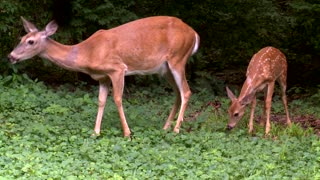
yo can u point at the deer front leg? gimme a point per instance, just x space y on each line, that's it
253 106
268 102
117 79
103 94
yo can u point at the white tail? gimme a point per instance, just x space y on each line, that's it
151 45
266 67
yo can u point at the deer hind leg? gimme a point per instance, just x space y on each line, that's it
177 103
178 73
104 86
283 84
268 102
117 79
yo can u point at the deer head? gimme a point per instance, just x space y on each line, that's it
237 107
33 43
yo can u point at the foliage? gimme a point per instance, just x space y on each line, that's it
303 40
306 19
231 31
45 130
45 134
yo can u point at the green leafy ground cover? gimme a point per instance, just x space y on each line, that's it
45 134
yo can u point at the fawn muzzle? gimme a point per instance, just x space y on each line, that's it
229 128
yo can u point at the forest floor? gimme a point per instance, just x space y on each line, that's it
306 121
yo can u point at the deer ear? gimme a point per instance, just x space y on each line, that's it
51 28
247 99
230 94
28 26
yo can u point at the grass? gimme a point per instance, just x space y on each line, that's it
45 134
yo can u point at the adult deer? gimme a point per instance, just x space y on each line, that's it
151 45
266 67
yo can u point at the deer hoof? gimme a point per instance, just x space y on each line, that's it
95 135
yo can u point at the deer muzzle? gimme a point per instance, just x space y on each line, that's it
229 127
12 59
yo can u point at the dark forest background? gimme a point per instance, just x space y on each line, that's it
231 32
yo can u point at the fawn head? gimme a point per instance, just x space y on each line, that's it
237 108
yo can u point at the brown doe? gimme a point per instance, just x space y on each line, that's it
159 44
266 67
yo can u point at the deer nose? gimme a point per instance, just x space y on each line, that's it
229 127
11 58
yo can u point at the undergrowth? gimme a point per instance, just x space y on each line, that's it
45 134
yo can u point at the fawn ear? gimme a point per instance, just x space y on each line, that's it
247 99
230 94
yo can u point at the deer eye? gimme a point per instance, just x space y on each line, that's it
31 42
236 114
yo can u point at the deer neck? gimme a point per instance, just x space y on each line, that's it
62 55
247 88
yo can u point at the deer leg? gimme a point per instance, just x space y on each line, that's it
177 103
253 106
268 102
185 93
283 85
117 79
262 121
103 94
